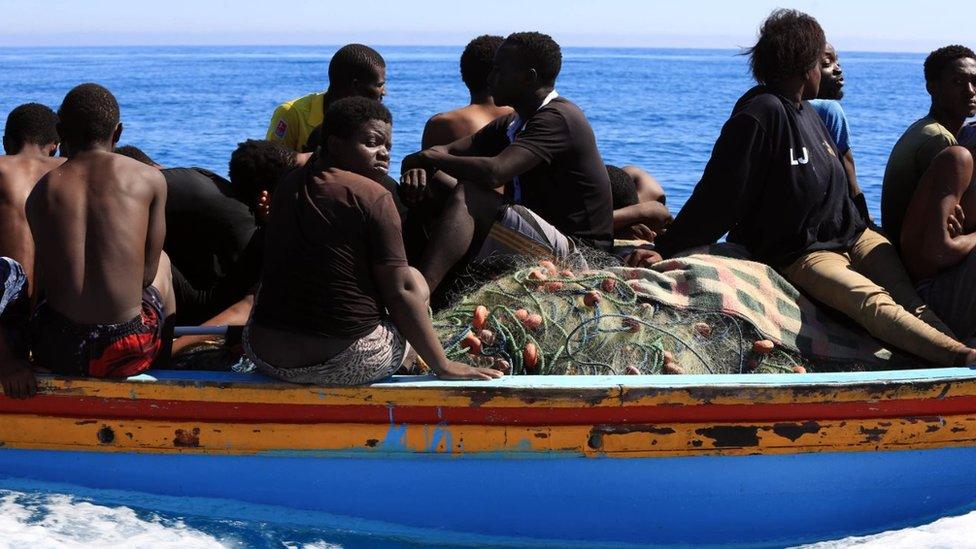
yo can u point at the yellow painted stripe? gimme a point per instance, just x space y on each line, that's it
35 432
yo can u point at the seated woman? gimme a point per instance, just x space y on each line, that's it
776 184
336 292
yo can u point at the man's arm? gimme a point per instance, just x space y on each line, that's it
235 315
652 214
926 242
857 195
486 171
404 293
740 156
156 233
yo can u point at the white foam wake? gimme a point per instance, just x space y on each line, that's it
947 533
55 521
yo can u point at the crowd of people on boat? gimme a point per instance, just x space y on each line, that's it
330 264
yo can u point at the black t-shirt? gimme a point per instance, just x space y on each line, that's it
212 242
774 182
570 188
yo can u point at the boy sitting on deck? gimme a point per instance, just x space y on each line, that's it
98 224
336 292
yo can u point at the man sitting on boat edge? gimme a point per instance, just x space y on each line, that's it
928 205
336 291
98 224
544 154
30 140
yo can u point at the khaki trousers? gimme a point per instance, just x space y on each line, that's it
869 284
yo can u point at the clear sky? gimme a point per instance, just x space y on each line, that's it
867 25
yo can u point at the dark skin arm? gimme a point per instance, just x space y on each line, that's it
653 216
488 172
855 190
405 293
235 315
157 230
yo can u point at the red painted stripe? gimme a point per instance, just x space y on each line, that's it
193 411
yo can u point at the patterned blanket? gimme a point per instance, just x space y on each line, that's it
758 295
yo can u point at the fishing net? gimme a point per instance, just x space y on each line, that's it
569 319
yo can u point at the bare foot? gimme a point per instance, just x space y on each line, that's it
17 378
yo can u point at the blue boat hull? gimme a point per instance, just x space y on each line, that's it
720 500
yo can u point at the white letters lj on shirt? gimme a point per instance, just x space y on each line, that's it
794 161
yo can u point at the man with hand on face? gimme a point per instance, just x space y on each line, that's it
338 303
827 105
928 204
354 71
557 191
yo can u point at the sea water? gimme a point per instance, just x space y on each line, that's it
660 109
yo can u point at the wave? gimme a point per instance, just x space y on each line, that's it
949 532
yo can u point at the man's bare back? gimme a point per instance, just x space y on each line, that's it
98 223
18 175
450 126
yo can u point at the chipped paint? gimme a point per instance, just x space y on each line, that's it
793 431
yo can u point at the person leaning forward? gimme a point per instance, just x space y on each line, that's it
776 184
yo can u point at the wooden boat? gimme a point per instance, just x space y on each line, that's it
738 459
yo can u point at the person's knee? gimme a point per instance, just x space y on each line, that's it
954 167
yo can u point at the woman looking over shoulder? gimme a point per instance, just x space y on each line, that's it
338 303
775 183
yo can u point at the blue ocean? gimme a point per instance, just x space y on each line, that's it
660 109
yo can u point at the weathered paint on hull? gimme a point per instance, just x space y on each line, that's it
651 459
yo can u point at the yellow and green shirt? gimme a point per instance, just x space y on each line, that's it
293 121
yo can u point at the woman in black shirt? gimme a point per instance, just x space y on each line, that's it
776 185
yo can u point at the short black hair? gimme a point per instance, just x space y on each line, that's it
30 123
89 113
257 165
347 115
540 52
937 61
623 192
354 62
477 60
135 153
790 44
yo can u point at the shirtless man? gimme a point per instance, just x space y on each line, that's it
30 141
476 63
928 204
98 224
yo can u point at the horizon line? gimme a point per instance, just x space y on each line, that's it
394 45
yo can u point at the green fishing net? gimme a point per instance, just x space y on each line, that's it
556 320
